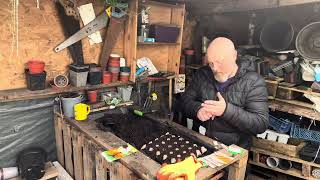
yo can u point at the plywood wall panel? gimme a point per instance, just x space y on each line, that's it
157 54
159 14
39 32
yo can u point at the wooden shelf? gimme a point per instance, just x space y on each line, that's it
265 152
25 94
294 107
156 3
292 171
157 43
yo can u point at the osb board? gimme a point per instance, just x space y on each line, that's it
39 32
157 54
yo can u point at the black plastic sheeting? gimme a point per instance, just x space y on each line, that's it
25 124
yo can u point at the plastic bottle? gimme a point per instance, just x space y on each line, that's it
317 73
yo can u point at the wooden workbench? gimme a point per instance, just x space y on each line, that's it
80 143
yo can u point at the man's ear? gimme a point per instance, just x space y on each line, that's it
235 55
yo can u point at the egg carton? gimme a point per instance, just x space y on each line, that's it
274 136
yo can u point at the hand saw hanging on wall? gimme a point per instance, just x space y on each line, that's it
101 21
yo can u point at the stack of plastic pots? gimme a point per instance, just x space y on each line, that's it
114 66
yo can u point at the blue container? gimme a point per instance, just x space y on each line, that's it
301 133
280 125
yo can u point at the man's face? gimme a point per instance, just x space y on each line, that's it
221 65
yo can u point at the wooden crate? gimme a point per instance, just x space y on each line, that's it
305 173
287 94
291 149
272 86
79 147
82 158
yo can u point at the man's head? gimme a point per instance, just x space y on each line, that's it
222 58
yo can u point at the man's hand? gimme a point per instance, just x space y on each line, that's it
203 115
215 108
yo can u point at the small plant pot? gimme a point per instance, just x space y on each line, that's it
92 96
35 67
35 81
107 77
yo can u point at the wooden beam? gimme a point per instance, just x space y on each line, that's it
295 2
112 34
210 7
25 94
285 106
130 38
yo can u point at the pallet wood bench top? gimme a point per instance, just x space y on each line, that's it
143 166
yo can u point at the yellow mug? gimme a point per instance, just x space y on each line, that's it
81 111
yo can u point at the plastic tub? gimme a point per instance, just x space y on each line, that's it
283 138
125 92
272 136
262 135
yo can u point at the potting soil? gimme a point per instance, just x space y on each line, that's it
160 142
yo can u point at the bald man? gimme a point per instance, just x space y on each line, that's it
227 96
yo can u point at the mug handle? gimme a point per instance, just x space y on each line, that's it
82 97
88 110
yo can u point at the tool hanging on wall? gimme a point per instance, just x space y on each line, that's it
98 23
69 18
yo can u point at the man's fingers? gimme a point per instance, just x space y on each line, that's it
210 106
210 102
220 96
202 117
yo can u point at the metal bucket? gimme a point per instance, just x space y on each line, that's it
69 102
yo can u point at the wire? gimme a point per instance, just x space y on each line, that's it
316 154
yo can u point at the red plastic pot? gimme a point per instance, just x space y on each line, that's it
124 78
92 96
107 77
115 77
35 67
114 63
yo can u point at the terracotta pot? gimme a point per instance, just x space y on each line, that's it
35 67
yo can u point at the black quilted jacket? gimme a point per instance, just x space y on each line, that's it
247 107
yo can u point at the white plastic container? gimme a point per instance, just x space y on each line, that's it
125 92
283 138
262 135
189 123
272 135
